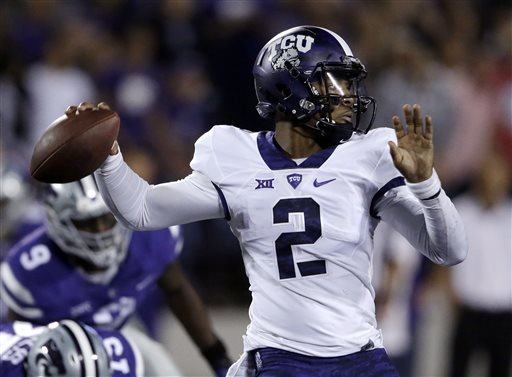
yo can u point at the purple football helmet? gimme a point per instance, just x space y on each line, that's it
289 64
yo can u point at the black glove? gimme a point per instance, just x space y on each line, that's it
217 357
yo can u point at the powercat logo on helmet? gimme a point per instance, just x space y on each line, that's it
288 48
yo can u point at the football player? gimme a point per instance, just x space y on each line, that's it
83 264
66 348
304 201
19 209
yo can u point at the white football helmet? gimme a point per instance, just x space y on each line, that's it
68 349
69 207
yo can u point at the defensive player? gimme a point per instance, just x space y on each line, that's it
304 201
86 266
66 348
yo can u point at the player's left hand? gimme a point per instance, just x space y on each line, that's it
414 154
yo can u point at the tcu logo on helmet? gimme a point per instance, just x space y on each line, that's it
288 48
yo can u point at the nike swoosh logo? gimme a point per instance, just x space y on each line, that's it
317 183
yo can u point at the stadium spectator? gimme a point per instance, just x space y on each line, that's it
398 278
481 286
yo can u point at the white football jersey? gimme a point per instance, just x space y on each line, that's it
306 234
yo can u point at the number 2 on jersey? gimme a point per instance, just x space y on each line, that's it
312 232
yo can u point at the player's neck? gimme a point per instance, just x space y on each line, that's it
296 142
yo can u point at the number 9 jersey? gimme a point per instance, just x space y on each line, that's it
306 232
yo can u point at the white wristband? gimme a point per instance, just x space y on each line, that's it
427 189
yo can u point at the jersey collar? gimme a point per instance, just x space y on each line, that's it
276 159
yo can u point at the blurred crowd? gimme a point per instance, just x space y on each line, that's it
174 68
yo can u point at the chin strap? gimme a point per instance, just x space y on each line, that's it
334 133
329 134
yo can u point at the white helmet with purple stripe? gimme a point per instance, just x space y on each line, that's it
81 224
68 349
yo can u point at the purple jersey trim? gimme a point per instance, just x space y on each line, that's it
276 159
395 182
227 215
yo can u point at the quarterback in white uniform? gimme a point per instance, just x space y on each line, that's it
304 202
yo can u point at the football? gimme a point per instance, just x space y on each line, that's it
74 145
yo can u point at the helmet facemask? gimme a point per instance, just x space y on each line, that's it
337 89
72 212
101 249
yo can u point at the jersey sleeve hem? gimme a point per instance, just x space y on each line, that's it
428 189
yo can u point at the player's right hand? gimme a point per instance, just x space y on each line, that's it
115 148
86 106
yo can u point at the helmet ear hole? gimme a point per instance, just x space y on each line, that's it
281 108
284 90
